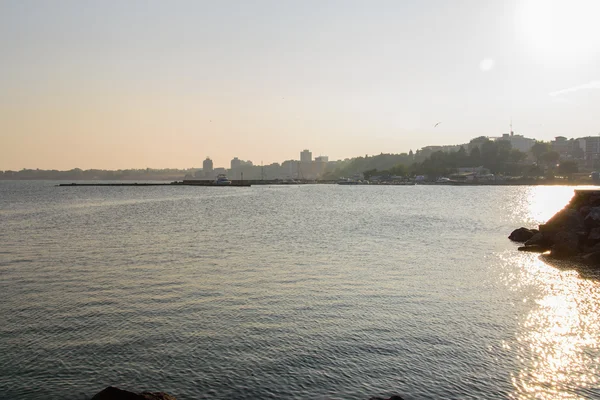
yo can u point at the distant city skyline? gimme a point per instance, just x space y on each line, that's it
206 162
115 85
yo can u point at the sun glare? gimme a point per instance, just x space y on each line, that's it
556 336
560 30
545 201
486 64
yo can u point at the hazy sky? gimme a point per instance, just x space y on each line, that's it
120 84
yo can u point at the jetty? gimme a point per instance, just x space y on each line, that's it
234 183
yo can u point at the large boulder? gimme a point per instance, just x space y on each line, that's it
522 235
592 238
591 248
594 200
113 393
592 258
539 240
565 220
594 234
585 198
573 232
585 210
566 244
592 219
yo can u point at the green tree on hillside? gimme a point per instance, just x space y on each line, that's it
539 148
517 156
550 158
568 167
475 157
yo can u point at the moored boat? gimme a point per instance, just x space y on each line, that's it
222 180
350 181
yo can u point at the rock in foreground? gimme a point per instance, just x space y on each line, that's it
572 233
522 235
113 393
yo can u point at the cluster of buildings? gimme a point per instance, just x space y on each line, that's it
305 168
584 150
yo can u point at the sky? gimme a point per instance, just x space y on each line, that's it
163 84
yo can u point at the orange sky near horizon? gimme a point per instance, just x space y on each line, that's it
113 85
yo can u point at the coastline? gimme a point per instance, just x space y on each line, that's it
236 183
572 234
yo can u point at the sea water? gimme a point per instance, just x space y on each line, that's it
289 292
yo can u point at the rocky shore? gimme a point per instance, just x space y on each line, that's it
573 233
113 393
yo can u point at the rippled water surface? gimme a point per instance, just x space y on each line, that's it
306 292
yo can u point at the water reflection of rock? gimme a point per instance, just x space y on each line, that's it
585 270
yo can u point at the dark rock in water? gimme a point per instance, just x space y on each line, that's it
591 248
592 239
538 239
387 398
566 244
594 234
113 393
534 248
565 220
592 258
585 210
592 219
572 234
594 200
522 234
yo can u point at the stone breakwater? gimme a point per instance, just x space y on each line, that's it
573 233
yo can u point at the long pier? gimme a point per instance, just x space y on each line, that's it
176 183
115 184
201 182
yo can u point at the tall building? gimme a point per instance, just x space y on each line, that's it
236 163
518 142
568 148
218 171
591 148
305 156
320 166
207 167
289 169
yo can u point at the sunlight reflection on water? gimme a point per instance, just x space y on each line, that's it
559 336
312 291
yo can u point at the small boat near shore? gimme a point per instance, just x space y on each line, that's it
350 181
222 180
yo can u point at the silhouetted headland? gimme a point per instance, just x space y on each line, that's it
572 234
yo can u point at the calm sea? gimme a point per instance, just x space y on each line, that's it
289 292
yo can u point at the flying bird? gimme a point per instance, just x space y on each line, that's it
435 126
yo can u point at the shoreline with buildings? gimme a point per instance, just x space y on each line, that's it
413 182
583 154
